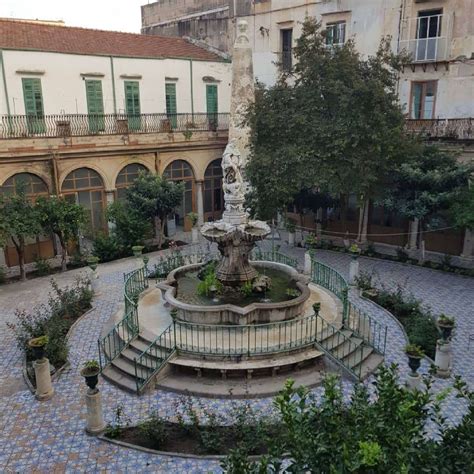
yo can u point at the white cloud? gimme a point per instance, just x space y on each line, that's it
120 15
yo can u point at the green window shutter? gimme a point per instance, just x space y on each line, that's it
33 104
212 105
95 105
171 108
132 104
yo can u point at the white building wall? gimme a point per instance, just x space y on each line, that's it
63 86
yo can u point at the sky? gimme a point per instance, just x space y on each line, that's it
120 15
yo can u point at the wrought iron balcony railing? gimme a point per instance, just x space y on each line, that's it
457 128
76 125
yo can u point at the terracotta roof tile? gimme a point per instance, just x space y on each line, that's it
65 39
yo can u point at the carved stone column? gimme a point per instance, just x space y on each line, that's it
200 202
110 198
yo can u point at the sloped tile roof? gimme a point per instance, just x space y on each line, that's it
64 39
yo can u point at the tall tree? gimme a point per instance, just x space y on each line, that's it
18 222
155 197
337 125
64 219
426 187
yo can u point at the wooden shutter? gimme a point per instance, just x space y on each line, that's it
171 108
33 105
132 104
95 105
212 106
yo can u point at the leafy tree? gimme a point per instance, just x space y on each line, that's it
462 209
339 127
131 227
154 197
18 222
426 187
62 218
381 433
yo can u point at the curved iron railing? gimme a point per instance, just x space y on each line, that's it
75 125
120 336
274 256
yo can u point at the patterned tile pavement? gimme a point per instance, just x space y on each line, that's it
49 436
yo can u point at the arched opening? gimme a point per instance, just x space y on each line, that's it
85 187
181 171
42 246
127 176
213 193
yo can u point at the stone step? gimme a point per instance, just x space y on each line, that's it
370 364
128 367
357 358
146 361
347 348
118 378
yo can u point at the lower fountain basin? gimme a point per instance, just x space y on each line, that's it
228 313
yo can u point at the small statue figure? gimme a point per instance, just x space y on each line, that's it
231 163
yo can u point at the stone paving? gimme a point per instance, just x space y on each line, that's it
49 436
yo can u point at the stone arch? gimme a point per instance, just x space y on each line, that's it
126 176
35 184
192 164
46 178
73 167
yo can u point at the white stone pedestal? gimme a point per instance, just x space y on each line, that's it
95 283
413 382
353 271
291 239
44 387
95 423
443 359
195 235
307 263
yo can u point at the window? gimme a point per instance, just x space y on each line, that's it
423 98
95 105
126 177
428 32
171 109
213 194
33 98
212 104
336 33
286 49
132 104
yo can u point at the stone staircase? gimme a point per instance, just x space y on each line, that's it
342 346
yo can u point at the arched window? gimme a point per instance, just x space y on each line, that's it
32 185
213 194
181 171
85 187
127 176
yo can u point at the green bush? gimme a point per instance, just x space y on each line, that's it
153 430
42 267
3 274
53 320
108 248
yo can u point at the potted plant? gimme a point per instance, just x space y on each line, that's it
354 250
446 325
193 217
290 225
93 261
137 250
415 354
38 344
316 308
90 371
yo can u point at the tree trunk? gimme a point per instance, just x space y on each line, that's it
363 222
20 250
161 236
63 253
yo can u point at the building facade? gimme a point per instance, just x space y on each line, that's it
83 111
436 89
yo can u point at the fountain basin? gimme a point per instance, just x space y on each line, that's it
254 313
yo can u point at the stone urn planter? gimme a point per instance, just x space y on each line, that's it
38 345
137 250
90 372
291 229
193 217
415 354
354 251
316 308
92 262
446 326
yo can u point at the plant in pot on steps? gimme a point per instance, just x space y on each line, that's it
193 217
90 371
446 325
316 308
415 354
290 225
92 262
354 250
38 345
137 250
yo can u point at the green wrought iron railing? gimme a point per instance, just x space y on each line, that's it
273 256
330 279
166 265
120 336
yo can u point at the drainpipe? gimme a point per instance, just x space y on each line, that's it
192 88
113 83
4 77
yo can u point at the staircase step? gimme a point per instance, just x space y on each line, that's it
370 364
120 379
355 359
128 367
146 361
347 348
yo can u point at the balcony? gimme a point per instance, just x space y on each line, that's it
77 125
447 129
427 38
